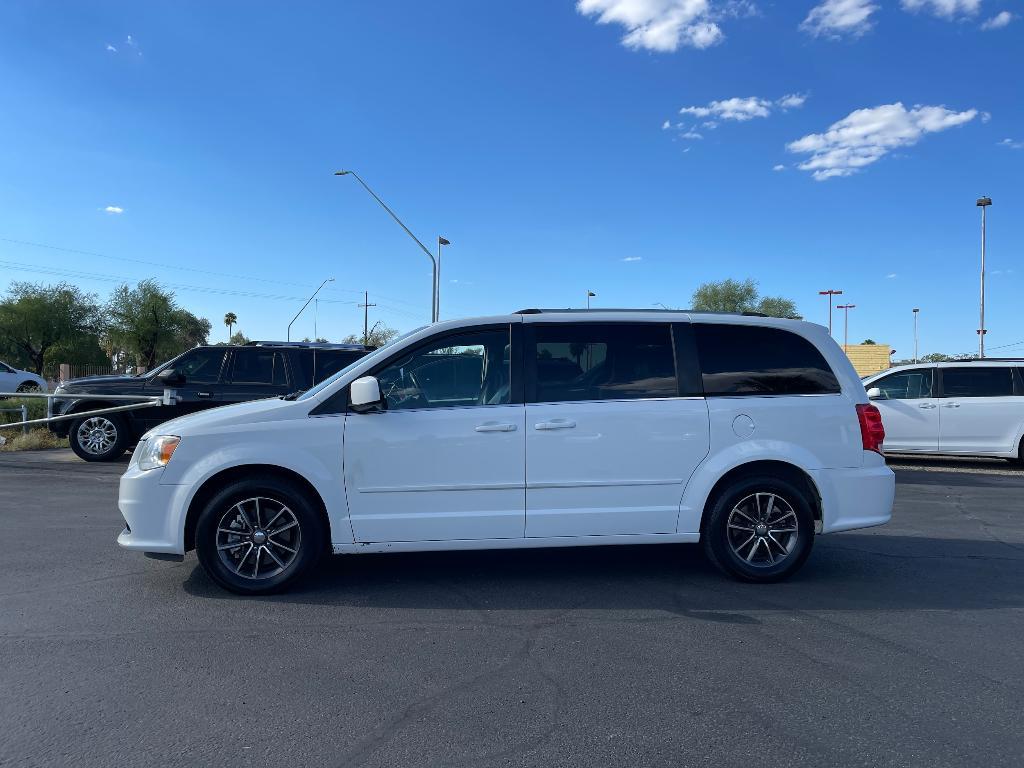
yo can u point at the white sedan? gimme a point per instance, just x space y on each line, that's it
13 380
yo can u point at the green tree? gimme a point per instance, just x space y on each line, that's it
378 336
229 320
39 322
239 339
869 342
147 323
740 296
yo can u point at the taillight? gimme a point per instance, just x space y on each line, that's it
872 433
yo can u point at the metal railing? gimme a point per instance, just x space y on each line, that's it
169 397
23 410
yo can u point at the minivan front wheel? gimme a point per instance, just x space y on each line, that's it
761 529
257 537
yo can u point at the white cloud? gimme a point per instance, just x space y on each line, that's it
133 44
944 9
891 276
666 125
114 209
1011 144
658 25
736 108
866 135
634 258
111 48
792 100
692 135
778 168
998 21
835 18
986 116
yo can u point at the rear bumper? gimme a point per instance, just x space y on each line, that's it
858 497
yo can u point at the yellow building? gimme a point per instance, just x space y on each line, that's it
868 358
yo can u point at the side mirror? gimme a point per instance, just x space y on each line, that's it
874 393
169 377
364 395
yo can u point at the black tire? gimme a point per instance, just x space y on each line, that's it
29 386
774 553
87 443
220 524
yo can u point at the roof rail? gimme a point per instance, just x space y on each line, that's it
309 345
597 310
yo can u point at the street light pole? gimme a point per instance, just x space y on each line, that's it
916 311
846 325
830 293
325 282
983 203
433 290
437 291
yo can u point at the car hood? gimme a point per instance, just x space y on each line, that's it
228 416
94 383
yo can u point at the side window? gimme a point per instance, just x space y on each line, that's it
977 382
756 360
4 368
258 366
464 369
320 364
592 361
906 385
201 365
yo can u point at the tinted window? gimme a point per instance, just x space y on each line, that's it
4 368
977 382
754 360
593 361
458 370
258 366
318 364
906 385
201 365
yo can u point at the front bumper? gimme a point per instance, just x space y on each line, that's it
857 497
154 513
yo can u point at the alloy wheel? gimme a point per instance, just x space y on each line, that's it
97 435
258 538
763 529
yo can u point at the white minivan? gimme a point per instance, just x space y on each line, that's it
965 408
543 428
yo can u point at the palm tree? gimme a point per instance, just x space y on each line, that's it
229 320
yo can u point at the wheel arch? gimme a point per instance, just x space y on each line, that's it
215 482
775 468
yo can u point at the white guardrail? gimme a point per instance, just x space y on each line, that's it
169 397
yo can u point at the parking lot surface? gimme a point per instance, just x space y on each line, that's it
902 645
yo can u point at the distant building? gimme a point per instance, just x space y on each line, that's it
868 358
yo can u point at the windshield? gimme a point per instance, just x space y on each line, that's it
376 353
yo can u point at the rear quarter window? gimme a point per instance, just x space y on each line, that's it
755 360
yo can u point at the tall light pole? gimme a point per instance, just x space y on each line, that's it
846 324
830 293
916 311
983 203
590 293
433 289
325 282
437 291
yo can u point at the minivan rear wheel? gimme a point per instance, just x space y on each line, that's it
760 529
259 536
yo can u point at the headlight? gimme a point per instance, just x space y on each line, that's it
158 451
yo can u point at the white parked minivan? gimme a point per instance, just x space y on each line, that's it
964 408
543 428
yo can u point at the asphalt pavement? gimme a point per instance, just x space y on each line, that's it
897 646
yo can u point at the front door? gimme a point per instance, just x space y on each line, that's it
201 368
255 373
445 460
910 410
979 412
611 440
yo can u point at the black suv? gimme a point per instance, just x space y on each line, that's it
203 377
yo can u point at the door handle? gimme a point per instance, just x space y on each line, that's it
495 427
926 405
203 394
555 424
951 405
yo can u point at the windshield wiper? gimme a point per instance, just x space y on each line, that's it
293 395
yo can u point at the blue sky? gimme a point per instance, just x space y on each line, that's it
544 139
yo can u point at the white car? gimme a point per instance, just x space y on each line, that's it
969 408
538 429
13 380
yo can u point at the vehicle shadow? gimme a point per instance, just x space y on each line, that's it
852 571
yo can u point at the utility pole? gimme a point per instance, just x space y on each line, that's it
983 203
846 325
916 311
366 317
590 293
830 293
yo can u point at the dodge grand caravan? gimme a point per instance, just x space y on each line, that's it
538 429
